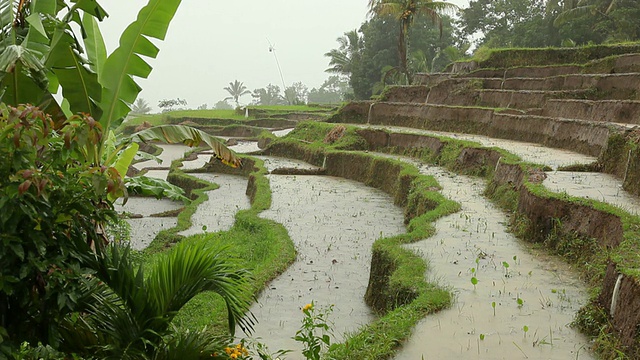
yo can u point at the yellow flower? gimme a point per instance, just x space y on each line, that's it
307 307
227 350
233 356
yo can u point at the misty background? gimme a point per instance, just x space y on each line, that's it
212 43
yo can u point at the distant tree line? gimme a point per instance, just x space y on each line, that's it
367 57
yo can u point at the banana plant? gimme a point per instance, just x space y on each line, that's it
40 53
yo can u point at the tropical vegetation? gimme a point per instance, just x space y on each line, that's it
405 11
236 89
61 173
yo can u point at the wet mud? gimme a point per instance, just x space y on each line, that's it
144 229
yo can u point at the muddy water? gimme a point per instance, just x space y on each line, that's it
169 153
145 229
596 186
528 288
333 223
530 152
218 212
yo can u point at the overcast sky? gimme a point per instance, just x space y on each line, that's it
211 43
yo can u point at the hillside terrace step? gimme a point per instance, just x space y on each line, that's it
524 71
614 111
586 137
612 86
496 98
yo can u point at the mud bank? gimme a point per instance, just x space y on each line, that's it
407 138
588 138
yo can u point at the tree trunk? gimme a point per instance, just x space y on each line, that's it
402 52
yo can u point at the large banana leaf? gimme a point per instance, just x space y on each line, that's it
94 44
120 90
175 134
79 84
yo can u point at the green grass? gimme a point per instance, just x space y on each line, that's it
288 108
257 244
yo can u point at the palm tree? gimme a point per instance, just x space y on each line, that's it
236 89
575 9
341 60
141 106
129 315
405 11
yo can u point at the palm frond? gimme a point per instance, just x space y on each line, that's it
191 268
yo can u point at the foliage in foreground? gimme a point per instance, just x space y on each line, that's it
61 287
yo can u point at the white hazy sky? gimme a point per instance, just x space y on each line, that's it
211 43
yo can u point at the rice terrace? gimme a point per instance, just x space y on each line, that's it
486 210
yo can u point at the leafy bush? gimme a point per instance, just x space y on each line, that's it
51 200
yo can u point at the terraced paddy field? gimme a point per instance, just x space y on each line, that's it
509 200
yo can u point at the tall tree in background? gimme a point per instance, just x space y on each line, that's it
599 21
236 89
406 11
342 59
509 23
141 106
268 96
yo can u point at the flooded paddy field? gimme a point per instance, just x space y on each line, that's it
530 152
333 223
511 301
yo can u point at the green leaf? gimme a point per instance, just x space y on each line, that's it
175 134
158 188
94 44
474 281
125 158
18 250
120 90
79 84
19 88
35 22
91 7
44 6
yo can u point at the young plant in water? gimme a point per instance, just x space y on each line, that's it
314 319
474 280
505 265
493 305
525 330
